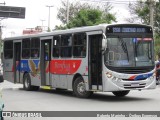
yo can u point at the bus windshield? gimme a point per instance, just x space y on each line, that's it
129 52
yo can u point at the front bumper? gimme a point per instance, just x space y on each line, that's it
119 84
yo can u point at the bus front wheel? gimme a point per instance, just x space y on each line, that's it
79 88
27 83
120 93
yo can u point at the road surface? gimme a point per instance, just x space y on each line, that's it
17 99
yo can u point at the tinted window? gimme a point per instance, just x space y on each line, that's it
26 48
79 45
8 49
66 45
35 45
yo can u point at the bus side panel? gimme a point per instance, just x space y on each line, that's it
59 81
69 81
8 70
55 79
63 81
61 69
21 77
33 68
35 80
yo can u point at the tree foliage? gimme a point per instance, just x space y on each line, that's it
157 44
84 14
74 8
89 17
140 12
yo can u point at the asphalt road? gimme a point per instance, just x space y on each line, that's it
17 99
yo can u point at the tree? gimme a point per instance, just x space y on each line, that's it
157 45
140 12
89 17
77 9
74 8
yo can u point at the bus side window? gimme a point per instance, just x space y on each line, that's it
8 49
34 53
35 46
79 45
26 48
66 45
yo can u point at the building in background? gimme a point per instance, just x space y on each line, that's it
35 30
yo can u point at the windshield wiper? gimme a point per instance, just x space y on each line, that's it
124 47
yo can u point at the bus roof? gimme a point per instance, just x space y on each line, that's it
72 30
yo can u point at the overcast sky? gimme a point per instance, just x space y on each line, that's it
36 11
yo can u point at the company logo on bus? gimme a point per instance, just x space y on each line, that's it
64 66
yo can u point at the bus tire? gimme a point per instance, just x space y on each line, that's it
79 88
27 83
121 93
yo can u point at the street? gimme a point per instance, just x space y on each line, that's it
17 99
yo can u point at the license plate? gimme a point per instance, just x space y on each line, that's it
134 85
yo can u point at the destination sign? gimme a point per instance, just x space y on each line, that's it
128 29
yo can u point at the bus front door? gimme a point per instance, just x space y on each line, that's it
45 61
95 61
17 62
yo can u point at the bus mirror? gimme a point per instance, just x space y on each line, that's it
104 44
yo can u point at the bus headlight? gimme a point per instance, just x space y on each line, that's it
109 75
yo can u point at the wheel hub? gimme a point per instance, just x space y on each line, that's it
26 83
81 88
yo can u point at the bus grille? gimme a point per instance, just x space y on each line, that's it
132 79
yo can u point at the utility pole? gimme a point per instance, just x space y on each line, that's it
42 24
49 6
151 7
1 32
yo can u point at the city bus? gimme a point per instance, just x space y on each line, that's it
113 58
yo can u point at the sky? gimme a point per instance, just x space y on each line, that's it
36 11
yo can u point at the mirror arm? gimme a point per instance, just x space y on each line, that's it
104 36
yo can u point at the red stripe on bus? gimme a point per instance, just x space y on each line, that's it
132 77
64 66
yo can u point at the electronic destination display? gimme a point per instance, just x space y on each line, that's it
129 29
